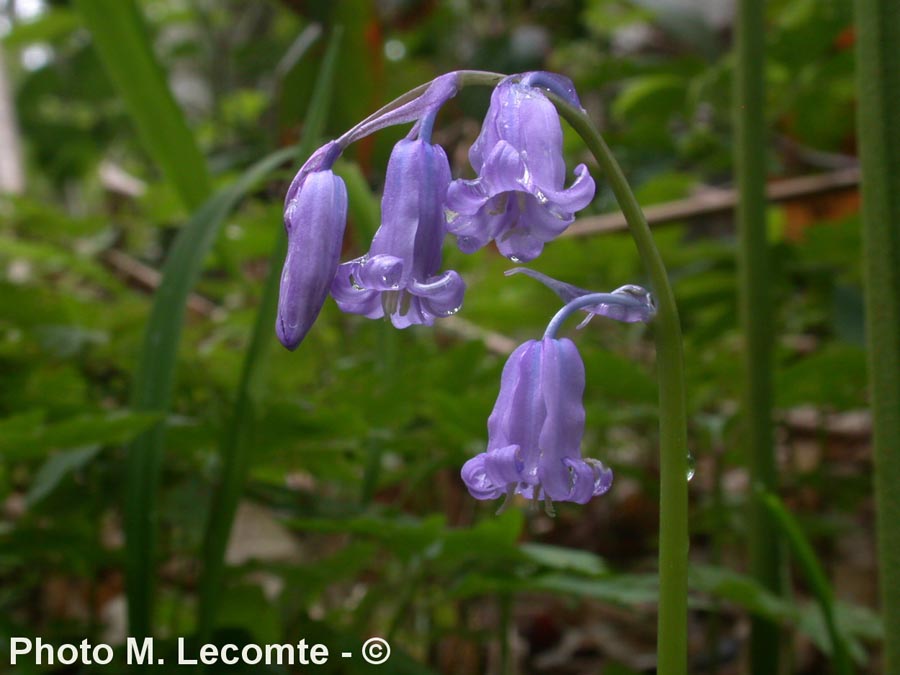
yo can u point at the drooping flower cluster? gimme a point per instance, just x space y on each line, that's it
518 200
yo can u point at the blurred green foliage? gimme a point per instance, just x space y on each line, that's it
357 449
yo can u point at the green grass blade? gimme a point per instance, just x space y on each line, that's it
154 379
815 577
754 299
878 75
236 446
123 45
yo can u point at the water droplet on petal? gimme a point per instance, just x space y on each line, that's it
514 259
355 284
691 465
452 311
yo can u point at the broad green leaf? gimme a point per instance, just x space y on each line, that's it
404 536
491 537
649 92
55 258
246 607
812 380
51 26
309 580
857 624
121 39
57 467
623 589
741 590
564 559
26 436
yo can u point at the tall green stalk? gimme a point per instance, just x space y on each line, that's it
878 75
673 501
755 308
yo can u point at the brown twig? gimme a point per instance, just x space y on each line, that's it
148 278
712 201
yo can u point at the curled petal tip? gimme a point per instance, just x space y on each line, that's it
558 84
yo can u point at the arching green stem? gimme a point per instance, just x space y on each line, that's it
673 507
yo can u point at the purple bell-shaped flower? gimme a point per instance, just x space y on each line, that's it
519 198
535 430
400 275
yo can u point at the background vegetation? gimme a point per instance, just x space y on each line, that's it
354 521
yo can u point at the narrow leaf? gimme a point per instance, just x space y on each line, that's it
155 376
26 436
123 44
57 467
236 447
815 577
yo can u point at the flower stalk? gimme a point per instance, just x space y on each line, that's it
878 75
673 502
755 310
519 200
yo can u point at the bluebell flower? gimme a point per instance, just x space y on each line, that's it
315 216
519 198
400 275
535 430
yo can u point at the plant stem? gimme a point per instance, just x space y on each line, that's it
766 557
673 503
878 75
